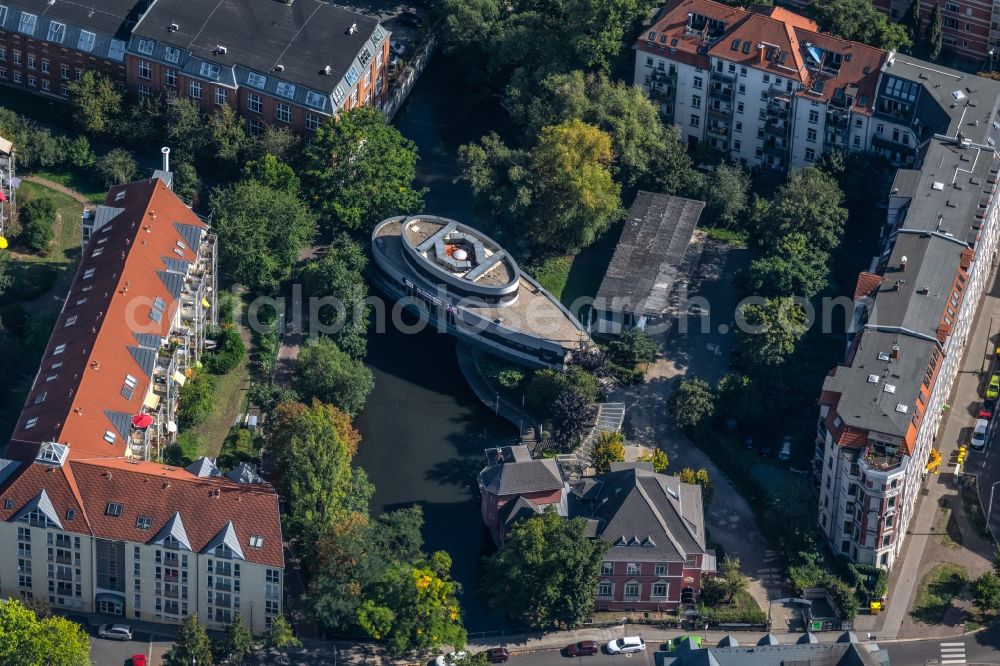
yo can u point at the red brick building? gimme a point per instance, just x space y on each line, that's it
513 486
965 24
45 45
275 64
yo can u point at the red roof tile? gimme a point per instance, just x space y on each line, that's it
867 283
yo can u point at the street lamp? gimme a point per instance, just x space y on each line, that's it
989 507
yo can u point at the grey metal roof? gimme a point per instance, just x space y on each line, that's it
7 468
174 282
768 639
41 502
806 638
145 357
645 516
190 233
108 20
244 473
121 421
148 340
302 37
173 528
518 478
176 265
204 467
226 536
520 509
728 641
645 267
816 654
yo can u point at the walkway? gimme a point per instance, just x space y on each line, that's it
468 364
965 400
610 417
52 185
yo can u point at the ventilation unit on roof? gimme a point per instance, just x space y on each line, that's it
883 356
279 68
173 27
937 186
873 379
221 50
326 70
901 408
889 388
353 29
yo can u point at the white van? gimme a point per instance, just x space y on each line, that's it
979 434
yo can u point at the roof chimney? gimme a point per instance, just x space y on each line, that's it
902 263
166 158
761 53
894 354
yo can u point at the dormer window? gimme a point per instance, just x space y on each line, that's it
70 321
30 423
89 273
59 349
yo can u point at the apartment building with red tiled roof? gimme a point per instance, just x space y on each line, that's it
87 521
763 86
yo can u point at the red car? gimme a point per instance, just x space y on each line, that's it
497 655
138 660
582 649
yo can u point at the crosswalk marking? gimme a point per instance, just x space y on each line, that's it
952 653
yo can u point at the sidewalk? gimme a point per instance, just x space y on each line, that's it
964 400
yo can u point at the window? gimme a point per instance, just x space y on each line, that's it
256 541
312 121
631 590
45 65
170 78
194 89
814 116
113 509
742 89
315 100
739 107
63 71
286 90
145 71
78 73
697 82
695 120
739 126
209 71
737 145
57 32
888 521
171 54
604 589
3 50
632 569
649 62
255 103
695 101
17 57
64 90
760 132
272 576
811 134
46 85
110 437
743 70
810 155
857 141
661 569
70 321
256 80
763 95
145 46
28 23
143 522
86 41
254 127
659 590
31 61
283 113
607 568
221 96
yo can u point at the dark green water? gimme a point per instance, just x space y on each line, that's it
424 431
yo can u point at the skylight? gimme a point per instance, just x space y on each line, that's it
256 541
110 437
114 509
873 379
70 514
86 41
143 522
8 504
120 195
883 356
889 388
30 423
58 350
70 321
901 408
89 273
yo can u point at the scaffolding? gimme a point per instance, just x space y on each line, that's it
8 189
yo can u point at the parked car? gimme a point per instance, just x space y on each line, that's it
986 412
397 47
117 632
786 449
993 390
626 645
582 649
138 660
411 19
451 659
497 655
979 434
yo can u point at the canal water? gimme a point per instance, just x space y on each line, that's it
423 430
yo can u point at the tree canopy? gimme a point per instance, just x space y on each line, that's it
553 558
261 231
337 283
192 645
773 328
793 267
726 196
96 103
609 448
324 371
691 403
26 640
809 202
859 21
360 170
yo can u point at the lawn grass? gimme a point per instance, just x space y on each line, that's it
553 273
229 397
937 591
83 182
974 510
947 528
727 236
65 247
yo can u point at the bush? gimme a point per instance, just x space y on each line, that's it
195 401
117 167
189 446
745 610
228 352
547 385
240 446
510 378
633 347
37 216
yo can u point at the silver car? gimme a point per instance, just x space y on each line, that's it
116 632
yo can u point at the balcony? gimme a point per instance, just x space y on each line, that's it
632 597
720 112
222 585
718 92
776 148
61 559
171 594
723 77
882 456
776 129
224 602
720 131
605 597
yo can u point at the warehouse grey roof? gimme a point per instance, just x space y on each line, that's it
646 264
517 478
815 654
263 44
644 515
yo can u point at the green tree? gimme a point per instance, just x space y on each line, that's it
337 283
792 268
415 607
809 202
237 642
77 152
986 593
698 477
142 122
280 635
691 403
859 21
324 371
27 640
575 195
657 458
261 231
632 347
37 217
184 127
117 167
195 401
226 139
726 196
192 645
312 456
735 581
229 350
281 142
187 185
5 279
772 329
646 153
609 448
934 37
272 172
360 170
96 103
553 558
913 20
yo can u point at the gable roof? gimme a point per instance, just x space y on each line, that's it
518 478
173 529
